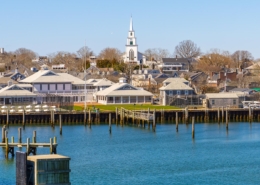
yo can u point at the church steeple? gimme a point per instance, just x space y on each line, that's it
131 24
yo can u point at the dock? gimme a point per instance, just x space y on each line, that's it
31 147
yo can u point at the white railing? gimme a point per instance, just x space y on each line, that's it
67 91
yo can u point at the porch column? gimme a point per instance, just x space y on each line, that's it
144 99
114 99
121 99
136 99
129 99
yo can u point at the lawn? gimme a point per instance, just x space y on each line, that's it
126 106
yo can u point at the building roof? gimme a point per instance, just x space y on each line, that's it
15 90
50 156
5 80
123 89
221 95
47 76
241 90
175 80
176 84
103 82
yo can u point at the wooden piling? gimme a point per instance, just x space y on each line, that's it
226 118
28 146
6 148
61 124
34 137
85 117
186 115
177 121
109 120
12 139
19 135
23 121
218 114
249 114
223 114
51 146
193 128
116 115
154 119
89 118
7 117
3 134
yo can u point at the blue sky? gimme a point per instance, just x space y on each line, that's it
47 26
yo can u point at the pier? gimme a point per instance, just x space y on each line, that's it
31 147
123 116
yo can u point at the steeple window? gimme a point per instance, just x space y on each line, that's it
131 54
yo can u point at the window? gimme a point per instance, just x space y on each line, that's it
131 33
178 92
63 86
131 55
234 102
213 102
48 87
40 86
131 42
170 92
186 92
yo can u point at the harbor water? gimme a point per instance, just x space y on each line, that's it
134 155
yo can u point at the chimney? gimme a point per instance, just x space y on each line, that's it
9 83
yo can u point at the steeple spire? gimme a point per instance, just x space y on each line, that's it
131 24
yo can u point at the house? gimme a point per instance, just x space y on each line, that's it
99 84
174 87
214 100
123 93
47 82
16 94
13 77
170 65
245 91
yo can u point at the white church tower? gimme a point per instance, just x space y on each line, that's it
132 55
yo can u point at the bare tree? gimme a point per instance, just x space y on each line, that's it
24 56
156 54
187 49
241 57
70 60
110 54
85 52
214 61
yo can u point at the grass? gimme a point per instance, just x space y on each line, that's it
126 106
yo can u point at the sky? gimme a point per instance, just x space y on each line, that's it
48 26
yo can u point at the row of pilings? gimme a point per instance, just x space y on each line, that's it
161 116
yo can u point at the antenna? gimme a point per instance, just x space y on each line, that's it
85 85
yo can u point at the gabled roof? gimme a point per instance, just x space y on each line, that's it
176 84
15 90
103 82
221 95
118 90
47 76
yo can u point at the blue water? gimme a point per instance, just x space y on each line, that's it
132 155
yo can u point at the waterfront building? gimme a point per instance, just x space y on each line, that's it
174 88
214 100
46 82
123 93
132 55
17 94
171 65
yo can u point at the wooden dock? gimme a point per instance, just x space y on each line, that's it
31 147
136 117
